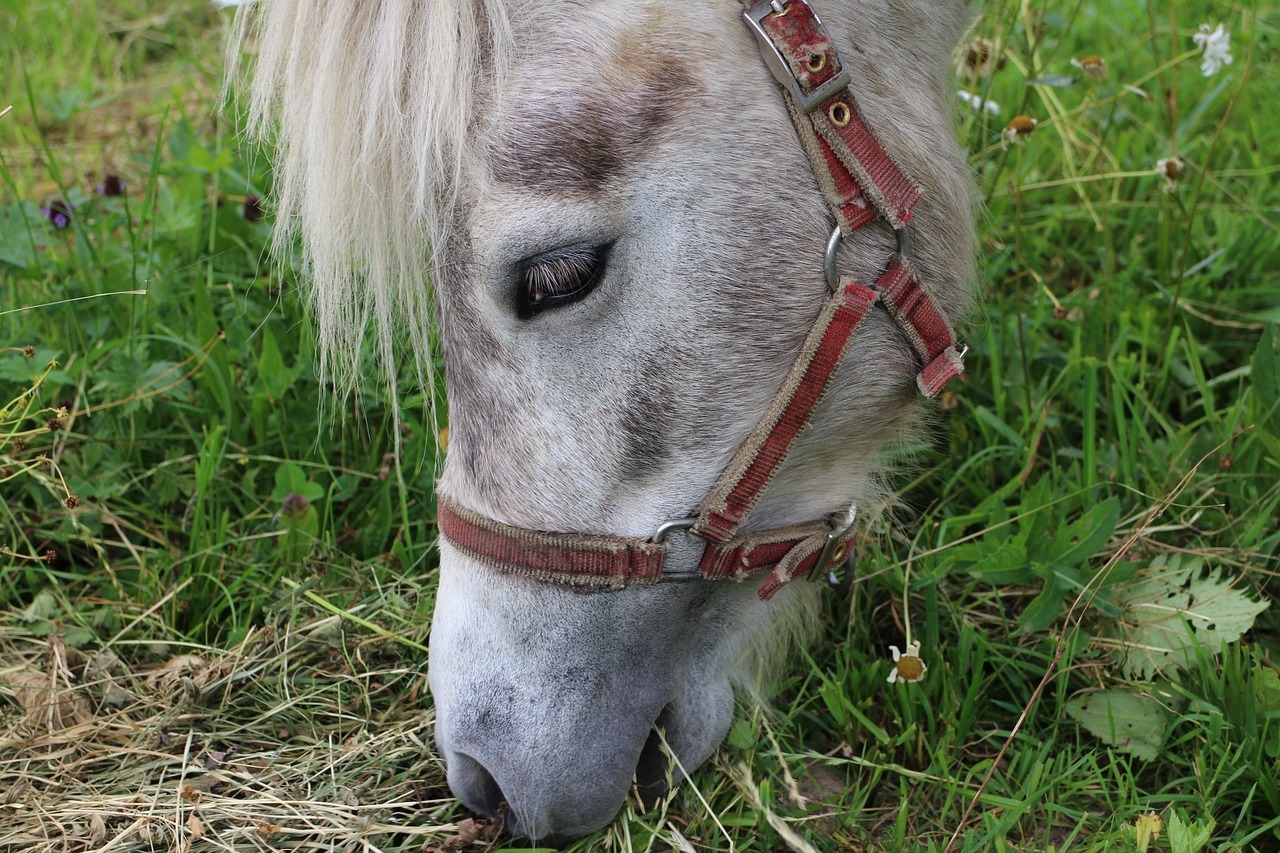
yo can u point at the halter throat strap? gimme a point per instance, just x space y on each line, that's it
861 184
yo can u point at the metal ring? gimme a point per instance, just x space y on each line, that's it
904 240
829 264
660 535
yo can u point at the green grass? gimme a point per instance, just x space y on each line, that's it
1121 420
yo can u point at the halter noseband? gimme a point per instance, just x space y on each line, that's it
861 184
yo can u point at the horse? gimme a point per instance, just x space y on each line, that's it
617 220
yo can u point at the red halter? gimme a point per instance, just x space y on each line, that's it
860 183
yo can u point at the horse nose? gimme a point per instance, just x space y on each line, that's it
475 786
553 797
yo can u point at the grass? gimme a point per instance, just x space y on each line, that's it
191 659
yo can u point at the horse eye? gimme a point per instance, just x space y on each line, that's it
558 278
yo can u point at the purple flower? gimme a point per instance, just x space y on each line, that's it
295 506
252 208
111 186
58 213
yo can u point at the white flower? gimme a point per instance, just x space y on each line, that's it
977 102
1216 46
907 667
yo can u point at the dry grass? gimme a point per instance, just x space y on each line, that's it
306 737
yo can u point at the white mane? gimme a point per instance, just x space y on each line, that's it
369 148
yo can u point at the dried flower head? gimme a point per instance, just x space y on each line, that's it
1094 67
111 186
907 666
1018 129
50 556
72 501
252 208
28 351
1216 45
58 213
1171 169
53 424
982 56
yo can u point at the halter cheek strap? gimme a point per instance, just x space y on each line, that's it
861 184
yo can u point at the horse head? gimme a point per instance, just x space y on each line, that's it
625 242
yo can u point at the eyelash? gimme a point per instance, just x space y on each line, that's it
558 278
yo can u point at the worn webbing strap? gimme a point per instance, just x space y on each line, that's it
857 176
756 461
832 121
923 324
602 562
575 559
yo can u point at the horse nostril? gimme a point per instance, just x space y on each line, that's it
476 786
653 776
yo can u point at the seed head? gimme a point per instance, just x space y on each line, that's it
1171 169
72 501
1094 67
54 424
28 351
1018 129
982 56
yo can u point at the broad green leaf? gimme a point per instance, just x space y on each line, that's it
43 607
1172 607
742 735
1126 719
1044 608
1266 385
1091 532
1190 836
1004 564
276 378
1266 687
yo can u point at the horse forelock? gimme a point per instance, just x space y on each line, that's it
369 104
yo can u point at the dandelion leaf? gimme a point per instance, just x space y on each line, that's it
1173 607
1126 719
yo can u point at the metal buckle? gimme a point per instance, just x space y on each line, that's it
660 536
782 69
831 554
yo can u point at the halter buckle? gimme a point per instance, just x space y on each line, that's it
808 102
660 536
833 552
